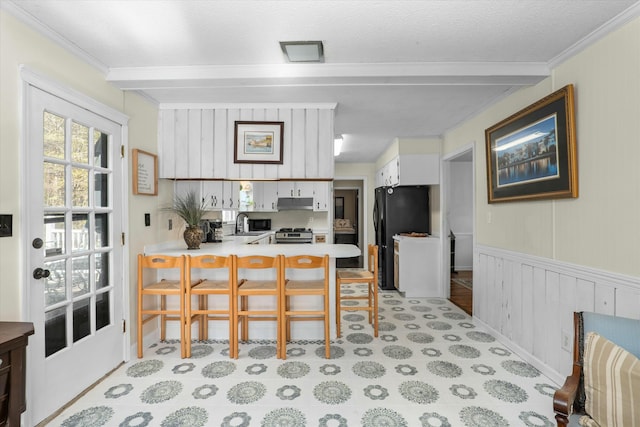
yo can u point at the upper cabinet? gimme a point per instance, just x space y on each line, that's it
198 142
410 169
295 189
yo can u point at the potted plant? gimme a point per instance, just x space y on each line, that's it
191 209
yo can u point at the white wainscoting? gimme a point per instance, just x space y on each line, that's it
529 303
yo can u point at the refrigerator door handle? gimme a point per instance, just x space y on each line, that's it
375 216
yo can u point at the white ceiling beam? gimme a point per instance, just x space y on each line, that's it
441 73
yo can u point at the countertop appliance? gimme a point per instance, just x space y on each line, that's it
396 210
294 235
257 224
213 230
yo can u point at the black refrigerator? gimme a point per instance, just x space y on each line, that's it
396 210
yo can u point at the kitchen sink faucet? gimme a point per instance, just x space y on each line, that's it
244 215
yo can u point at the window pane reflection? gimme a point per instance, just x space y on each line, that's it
80 190
79 143
100 149
54 234
55 286
81 319
54 182
103 317
102 270
80 232
81 282
101 191
102 230
53 138
55 331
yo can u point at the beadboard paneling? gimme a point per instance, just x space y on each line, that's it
529 301
197 142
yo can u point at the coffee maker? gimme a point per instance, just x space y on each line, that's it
215 232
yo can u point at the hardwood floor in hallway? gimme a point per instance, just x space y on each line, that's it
461 295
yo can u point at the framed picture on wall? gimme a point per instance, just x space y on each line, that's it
258 142
532 154
145 173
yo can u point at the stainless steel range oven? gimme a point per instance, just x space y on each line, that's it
294 235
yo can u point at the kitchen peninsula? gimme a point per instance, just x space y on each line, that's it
242 246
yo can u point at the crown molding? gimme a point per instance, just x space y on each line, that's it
47 32
631 13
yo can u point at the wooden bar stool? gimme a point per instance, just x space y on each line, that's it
258 287
163 288
297 288
211 287
358 275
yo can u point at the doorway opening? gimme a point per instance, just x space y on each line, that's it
459 223
348 222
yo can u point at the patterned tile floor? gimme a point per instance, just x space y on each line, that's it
430 366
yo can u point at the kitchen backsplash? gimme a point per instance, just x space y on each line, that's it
305 219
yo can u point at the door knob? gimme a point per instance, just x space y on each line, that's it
40 273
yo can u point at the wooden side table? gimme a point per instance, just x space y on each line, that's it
14 338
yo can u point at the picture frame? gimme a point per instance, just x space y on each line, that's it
145 173
532 154
258 142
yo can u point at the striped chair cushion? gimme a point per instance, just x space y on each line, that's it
611 383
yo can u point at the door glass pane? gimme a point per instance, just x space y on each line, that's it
55 331
54 183
101 191
103 318
102 270
79 143
81 281
81 319
102 230
100 147
55 284
80 233
80 190
53 144
54 234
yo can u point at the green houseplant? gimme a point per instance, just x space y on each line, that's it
191 209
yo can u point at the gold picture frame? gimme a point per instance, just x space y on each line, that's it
145 173
532 154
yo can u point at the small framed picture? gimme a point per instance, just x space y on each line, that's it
258 142
145 173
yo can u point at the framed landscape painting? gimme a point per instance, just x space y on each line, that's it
532 154
258 142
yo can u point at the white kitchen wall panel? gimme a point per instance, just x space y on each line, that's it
197 141
529 302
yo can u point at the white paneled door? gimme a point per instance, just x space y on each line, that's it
73 184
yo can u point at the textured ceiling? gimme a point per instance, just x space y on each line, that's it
395 68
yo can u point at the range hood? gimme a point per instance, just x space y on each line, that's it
295 203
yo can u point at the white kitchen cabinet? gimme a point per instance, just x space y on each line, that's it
265 196
410 169
231 195
321 196
212 191
416 266
181 188
295 188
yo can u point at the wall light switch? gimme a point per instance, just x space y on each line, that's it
147 219
6 225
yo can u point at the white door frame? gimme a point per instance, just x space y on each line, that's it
445 179
364 205
30 77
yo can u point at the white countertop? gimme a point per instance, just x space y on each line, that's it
239 245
